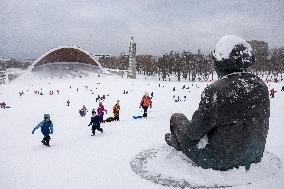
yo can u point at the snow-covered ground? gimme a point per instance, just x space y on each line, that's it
78 160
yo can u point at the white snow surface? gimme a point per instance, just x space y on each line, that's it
226 44
78 160
167 162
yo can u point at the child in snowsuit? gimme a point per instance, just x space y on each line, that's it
116 110
101 111
145 103
46 129
95 122
83 111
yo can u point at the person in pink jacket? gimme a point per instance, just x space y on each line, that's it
101 111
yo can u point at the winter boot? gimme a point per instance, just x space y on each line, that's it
93 133
43 141
47 143
172 141
47 139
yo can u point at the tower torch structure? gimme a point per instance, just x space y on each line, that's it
132 59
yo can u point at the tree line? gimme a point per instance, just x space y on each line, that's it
185 65
192 66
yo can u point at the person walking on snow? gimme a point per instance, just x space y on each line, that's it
101 111
95 122
116 110
145 103
83 111
3 105
272 92
46 129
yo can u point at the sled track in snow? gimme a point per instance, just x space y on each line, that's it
160 166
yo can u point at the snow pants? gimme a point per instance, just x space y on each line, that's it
96 127
145 108
116 117
101 118
46 140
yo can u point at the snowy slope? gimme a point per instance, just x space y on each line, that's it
77 160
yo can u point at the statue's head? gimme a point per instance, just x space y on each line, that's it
232 54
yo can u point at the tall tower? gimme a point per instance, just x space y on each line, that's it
132 59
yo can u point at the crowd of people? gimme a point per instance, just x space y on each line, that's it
97 117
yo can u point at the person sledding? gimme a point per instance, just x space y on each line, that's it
46 127
145 103
95 122
83 111
116 110
101 111
115 117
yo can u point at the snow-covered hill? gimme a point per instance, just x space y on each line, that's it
78 160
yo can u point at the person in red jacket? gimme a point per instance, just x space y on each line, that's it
145 103
272 92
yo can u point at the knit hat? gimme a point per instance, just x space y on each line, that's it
46 116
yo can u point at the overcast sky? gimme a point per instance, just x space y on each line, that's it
31 27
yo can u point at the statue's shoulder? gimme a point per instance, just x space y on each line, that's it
210 90
256 79
243 77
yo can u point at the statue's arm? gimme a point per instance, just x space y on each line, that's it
204 119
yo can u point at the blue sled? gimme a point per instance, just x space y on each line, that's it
137 117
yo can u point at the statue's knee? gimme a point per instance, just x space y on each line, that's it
177 117
178 120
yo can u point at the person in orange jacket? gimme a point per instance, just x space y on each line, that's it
116 110
145 103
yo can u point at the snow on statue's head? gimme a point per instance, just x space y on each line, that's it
232 54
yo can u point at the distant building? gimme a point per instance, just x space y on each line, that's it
3 59
65 54
103 56
259 48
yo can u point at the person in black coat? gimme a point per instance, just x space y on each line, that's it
233 115
95 122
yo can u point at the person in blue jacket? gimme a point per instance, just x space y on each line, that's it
46 127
